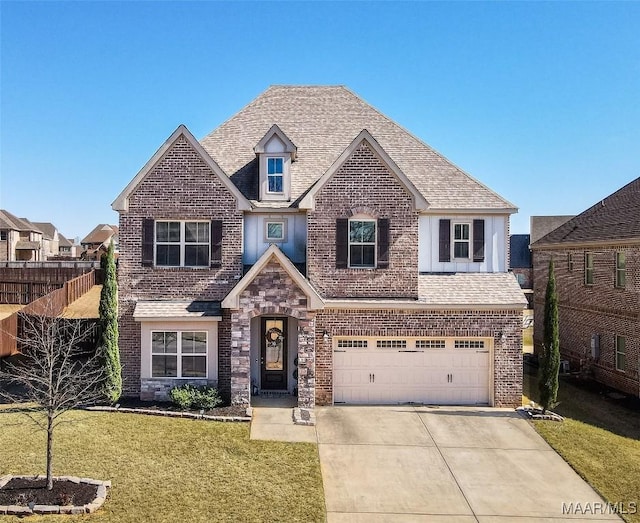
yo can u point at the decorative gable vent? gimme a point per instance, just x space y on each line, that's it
275 153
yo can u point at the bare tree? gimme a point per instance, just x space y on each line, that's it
57 370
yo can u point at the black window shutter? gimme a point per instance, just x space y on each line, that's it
445 241
216 243
478 240
383 243
342 243
147 242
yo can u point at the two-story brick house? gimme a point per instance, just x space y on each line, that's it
311 245
597 268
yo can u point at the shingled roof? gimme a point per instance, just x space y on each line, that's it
13 223
322 122
614 219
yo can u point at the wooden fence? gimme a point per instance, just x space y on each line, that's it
50 305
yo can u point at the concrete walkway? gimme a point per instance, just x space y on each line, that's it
272 419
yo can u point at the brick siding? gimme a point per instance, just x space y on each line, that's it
598 309
364 185
181 186
507 354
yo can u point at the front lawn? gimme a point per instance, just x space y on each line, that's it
599 438
169 470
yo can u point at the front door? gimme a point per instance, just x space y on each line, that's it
273 359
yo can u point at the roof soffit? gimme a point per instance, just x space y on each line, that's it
419 201
121 203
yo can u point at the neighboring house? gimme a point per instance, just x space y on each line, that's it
521 265
50 239
542 225
96 243
310 245
20 240
597 268
68 249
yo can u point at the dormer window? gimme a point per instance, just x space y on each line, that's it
275 154
275 175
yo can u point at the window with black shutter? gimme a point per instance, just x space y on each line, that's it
383 243
216 243
445 240
342 243
478 240
147 242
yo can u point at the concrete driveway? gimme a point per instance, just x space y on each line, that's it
445 464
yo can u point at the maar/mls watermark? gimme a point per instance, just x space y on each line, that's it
599 508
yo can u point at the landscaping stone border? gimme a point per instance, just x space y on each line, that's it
536 413
89 508
171 413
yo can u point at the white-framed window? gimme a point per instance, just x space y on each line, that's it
178 354
461 240
468 344
430 344
621 269
353 344
621 352
275 175
182 243
3 236
275 231
362 243
588 268
391 344
569 262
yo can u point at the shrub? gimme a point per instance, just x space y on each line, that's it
191 397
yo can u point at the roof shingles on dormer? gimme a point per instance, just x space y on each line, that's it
322 122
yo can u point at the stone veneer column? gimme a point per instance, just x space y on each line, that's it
240 357
306 361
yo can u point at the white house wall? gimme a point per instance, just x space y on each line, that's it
294 246
495 245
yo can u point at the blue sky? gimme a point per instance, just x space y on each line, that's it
538 100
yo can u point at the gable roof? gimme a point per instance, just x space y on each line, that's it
314 301
540 226
13 223
47 228
419 202
121 203
101 233
613 220
64 242
322 122
289 146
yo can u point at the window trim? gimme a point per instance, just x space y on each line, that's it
5 234
589 268
182 244
620 280
283 239
179 354
468 241
620 353
278 174
374 243
570 262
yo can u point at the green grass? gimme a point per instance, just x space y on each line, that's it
170 470
599 439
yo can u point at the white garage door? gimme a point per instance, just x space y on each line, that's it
431 371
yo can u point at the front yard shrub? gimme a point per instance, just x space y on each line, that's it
191 397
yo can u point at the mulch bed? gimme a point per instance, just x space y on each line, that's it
229 411
23 491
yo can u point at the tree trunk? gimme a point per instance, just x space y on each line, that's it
49 450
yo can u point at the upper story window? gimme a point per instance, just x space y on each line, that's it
461 240
3 236
569 262
275 152
182 244
588 268
275 231
275 175
621 352
362 243
621 270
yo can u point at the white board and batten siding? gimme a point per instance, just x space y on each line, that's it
294 245
495 244
445 371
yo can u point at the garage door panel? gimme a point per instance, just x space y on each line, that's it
438 376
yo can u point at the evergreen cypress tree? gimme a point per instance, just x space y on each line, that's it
551 346
109 322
